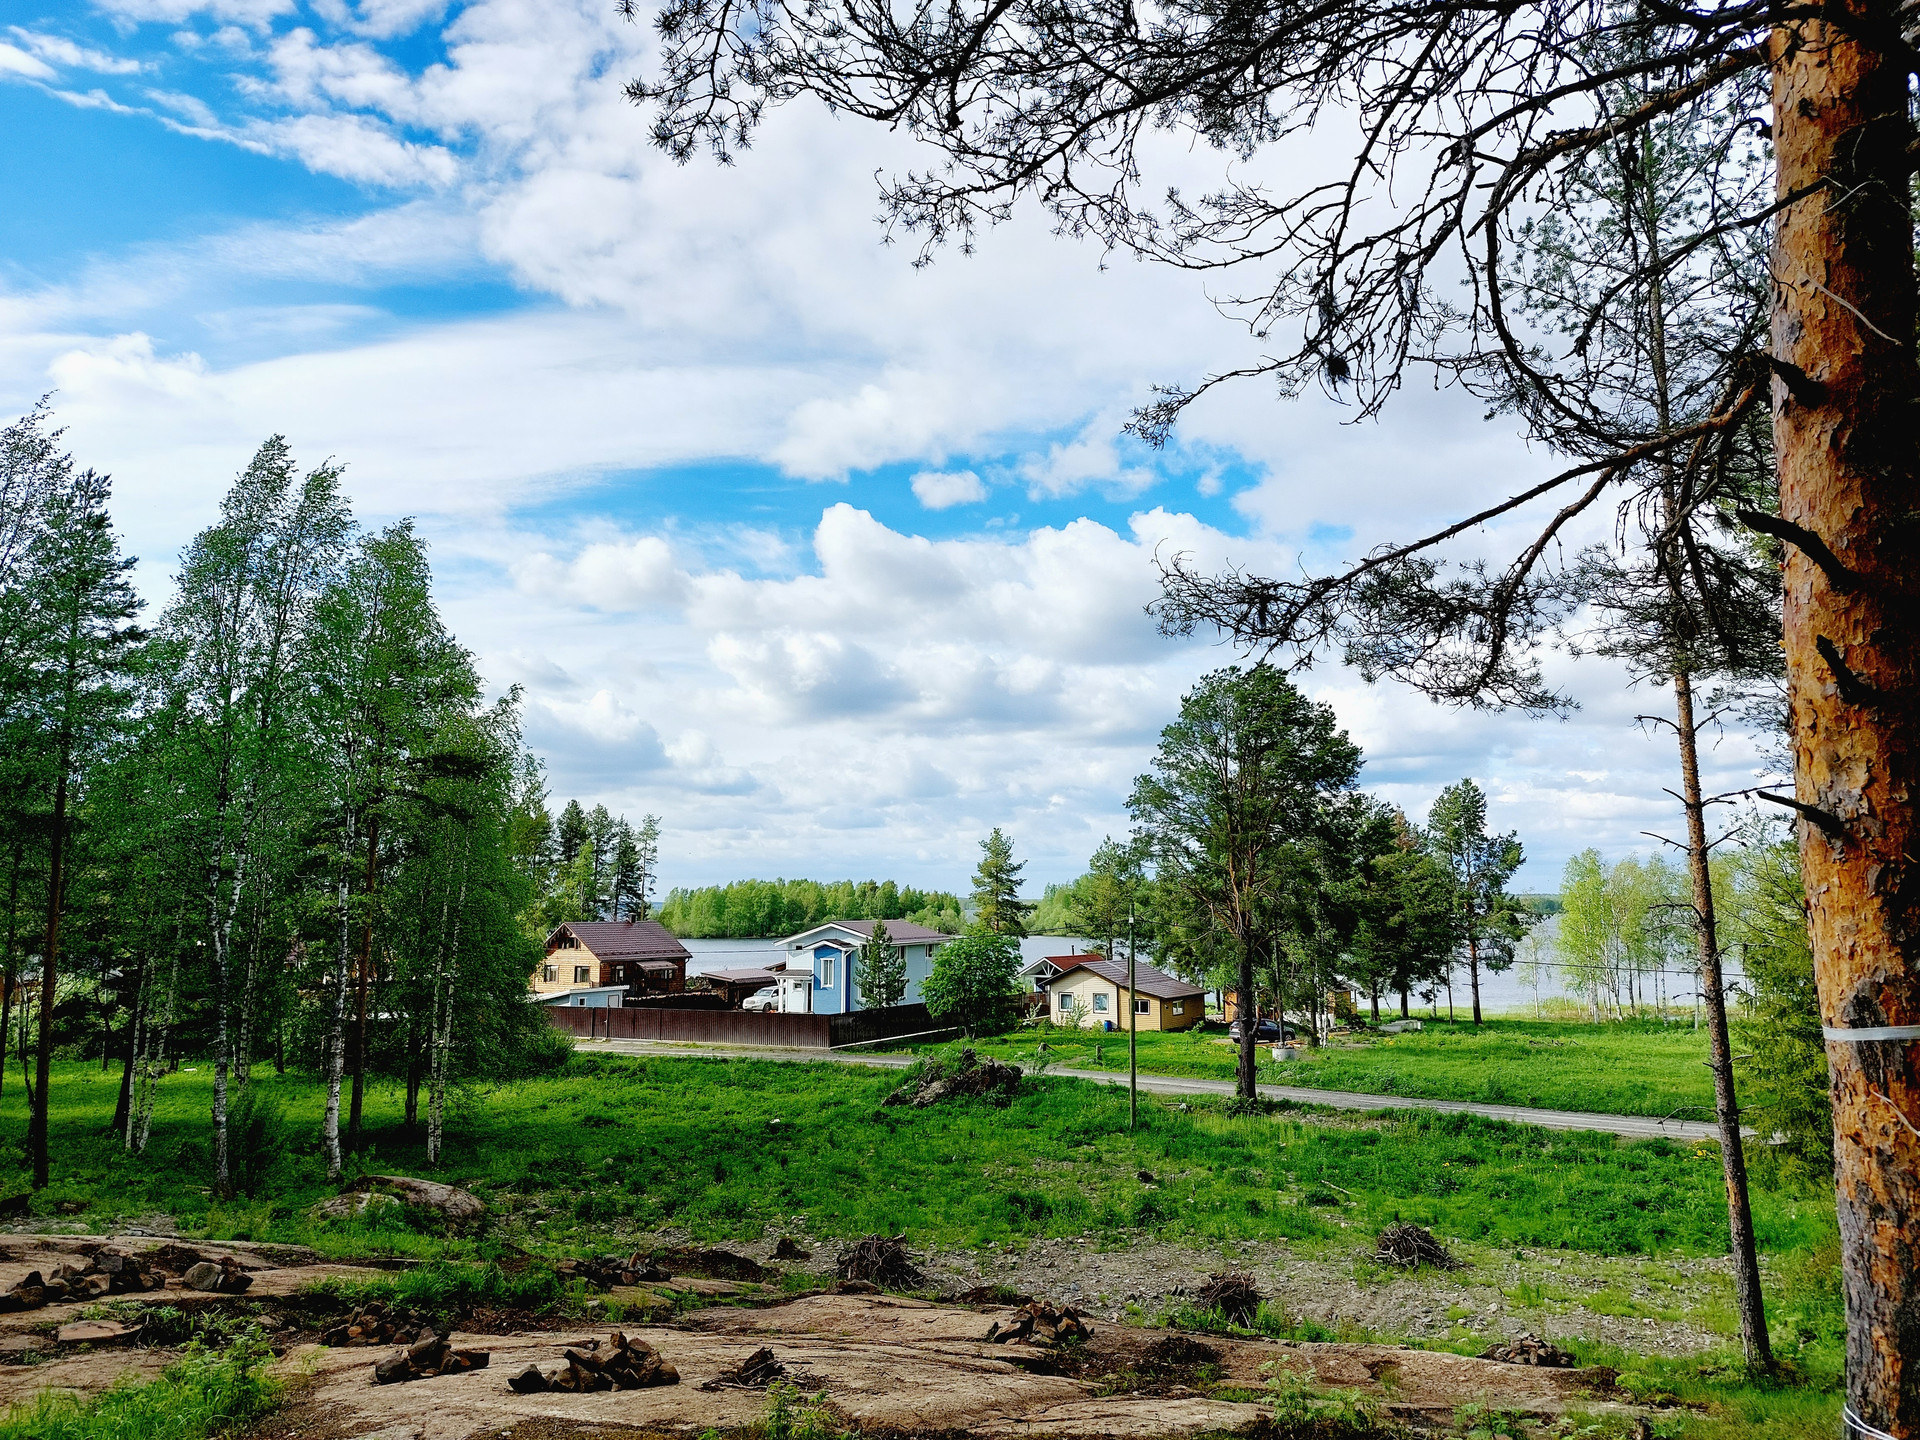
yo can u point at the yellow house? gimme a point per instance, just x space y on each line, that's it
1091 991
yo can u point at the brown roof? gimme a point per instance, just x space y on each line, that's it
1149 980
624 939
900 932
740 977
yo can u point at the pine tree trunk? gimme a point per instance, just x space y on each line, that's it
8 975
1473 972
1844 312
1249 1017
1733 1158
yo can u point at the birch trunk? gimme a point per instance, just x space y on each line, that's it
1844 312
337 1042
443 1025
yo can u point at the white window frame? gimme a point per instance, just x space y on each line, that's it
1099 1002
1142 1007
583 974
1179 1007
1066 1000
828 971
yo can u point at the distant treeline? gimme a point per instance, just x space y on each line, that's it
747 909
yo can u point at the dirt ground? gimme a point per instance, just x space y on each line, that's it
885 1363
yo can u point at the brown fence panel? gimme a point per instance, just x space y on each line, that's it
738 1027
863 1026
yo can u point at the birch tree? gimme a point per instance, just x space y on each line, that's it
230 640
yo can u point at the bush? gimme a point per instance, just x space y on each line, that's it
975 980
258 1138
205 1392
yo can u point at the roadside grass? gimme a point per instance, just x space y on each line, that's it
726 1149
1629 1067
205 1393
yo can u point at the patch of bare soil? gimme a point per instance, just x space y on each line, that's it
888 1364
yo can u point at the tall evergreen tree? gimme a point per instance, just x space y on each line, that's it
572 832
1246 779
996 887
883 969
1490 921
81 632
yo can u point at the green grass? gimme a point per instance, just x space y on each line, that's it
1623 1068
204 1393
729 1148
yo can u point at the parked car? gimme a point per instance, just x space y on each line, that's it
1264 1031
767 997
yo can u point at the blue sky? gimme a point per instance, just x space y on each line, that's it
832 562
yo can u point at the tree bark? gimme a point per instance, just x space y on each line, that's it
360 998
337 1041
1473 972
7 973
1733 1156
1843 312
1249 1018
49 964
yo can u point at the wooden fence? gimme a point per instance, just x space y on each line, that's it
740 1027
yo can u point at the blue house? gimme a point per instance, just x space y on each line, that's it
823 964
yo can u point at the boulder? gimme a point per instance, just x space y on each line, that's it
457 1205
348 1207
95 1332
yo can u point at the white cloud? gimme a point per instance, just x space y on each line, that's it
356 148
258 14
15 61
62 51
941 490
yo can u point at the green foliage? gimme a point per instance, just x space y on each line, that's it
1785 1061
1490 921
257 1138
973 978
996 887
752 909
205 1393
883 969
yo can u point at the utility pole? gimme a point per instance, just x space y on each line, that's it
1133 1029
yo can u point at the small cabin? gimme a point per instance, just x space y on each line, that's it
639 958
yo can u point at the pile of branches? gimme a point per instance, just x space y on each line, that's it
1177 1352
1408 1247
1040 1323
1232 1293
756 1372
108 1273
881 1260
626 1365
1529 1349
966 1074
431 1354
375 1324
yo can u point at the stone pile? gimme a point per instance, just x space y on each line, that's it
107 1273
1529 1349
431 1354
603 1272
1041 1324
626 1365
374 1325
756 1372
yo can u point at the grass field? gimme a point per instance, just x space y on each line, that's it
727 1147
614 1147
1625 1068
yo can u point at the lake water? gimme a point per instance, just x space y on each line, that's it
1499 994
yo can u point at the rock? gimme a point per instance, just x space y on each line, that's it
95 1332
789 1249
393 1369
529 1381
455 1204
348 1207
222 1277
756 1372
